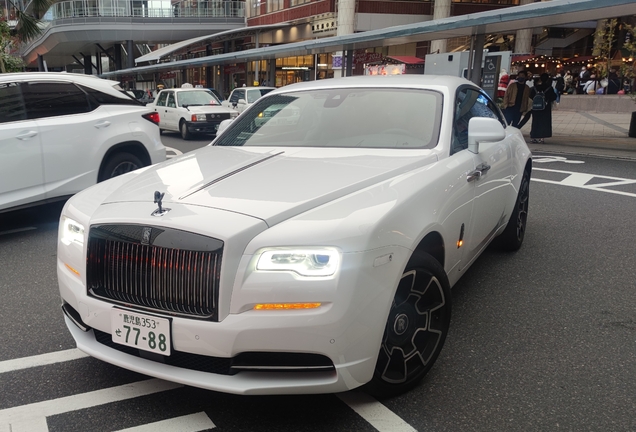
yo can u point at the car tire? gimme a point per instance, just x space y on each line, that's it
185 133
118 164
512 237
416 328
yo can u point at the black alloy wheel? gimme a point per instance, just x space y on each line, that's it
416 328
118 164
512 237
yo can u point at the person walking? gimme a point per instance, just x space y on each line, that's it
542 96
516 101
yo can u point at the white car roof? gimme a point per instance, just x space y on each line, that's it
396 81
90 80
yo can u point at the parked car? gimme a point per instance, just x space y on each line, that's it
61 133
190 111
143 96
243 97
310 255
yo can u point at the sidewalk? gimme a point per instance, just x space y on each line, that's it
588 133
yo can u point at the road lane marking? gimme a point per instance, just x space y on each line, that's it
546 159
376 414
579 180
38 410
17 230
41 360
37 424
188 423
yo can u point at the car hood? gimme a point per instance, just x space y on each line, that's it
272 184
207 109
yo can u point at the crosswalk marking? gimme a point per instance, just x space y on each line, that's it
38 410
376 414
188 423
579 180
40 360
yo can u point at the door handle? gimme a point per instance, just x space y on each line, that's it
478 172
484 167
26 135
103 124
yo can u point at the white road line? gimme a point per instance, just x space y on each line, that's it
41 360
13 231
579 180
38 410
376 414
36 424
188 423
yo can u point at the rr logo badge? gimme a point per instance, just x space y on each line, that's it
145 235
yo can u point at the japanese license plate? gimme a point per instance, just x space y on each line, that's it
137 330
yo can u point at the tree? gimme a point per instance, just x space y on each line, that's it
28 14
604 40
8 63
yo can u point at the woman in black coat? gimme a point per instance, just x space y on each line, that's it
542 119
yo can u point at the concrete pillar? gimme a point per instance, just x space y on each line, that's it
346 25
130 47
88 65
117 52
41 67
478 57
349 62
209 70
523 38
441 9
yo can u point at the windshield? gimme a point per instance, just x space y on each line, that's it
360 117
196 97
254 95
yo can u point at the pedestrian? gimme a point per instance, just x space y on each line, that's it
613 82
559 86
516 101
592 85
584 76
568 78
542 112
504 78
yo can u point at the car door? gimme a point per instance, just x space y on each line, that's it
71 131
160 108
172 111
21 171
494 164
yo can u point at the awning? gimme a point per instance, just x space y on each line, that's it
522 58
406 59
580 59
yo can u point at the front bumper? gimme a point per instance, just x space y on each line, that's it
347 329
209 127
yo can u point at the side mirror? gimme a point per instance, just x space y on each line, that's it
482 129
241 102
224 125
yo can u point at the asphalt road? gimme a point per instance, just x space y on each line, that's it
541 340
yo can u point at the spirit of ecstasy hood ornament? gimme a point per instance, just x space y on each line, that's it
160 211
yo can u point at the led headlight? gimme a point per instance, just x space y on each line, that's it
305 261
72 231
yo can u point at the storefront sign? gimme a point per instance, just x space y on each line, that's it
233 69
398 69
167 75
361 57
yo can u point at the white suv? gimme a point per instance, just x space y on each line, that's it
60 133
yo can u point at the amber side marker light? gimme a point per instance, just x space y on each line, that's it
286 306
72 269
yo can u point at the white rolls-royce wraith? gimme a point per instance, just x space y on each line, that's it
310 248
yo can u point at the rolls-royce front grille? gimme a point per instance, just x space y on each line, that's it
156 269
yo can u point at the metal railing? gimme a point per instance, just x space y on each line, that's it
132 8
